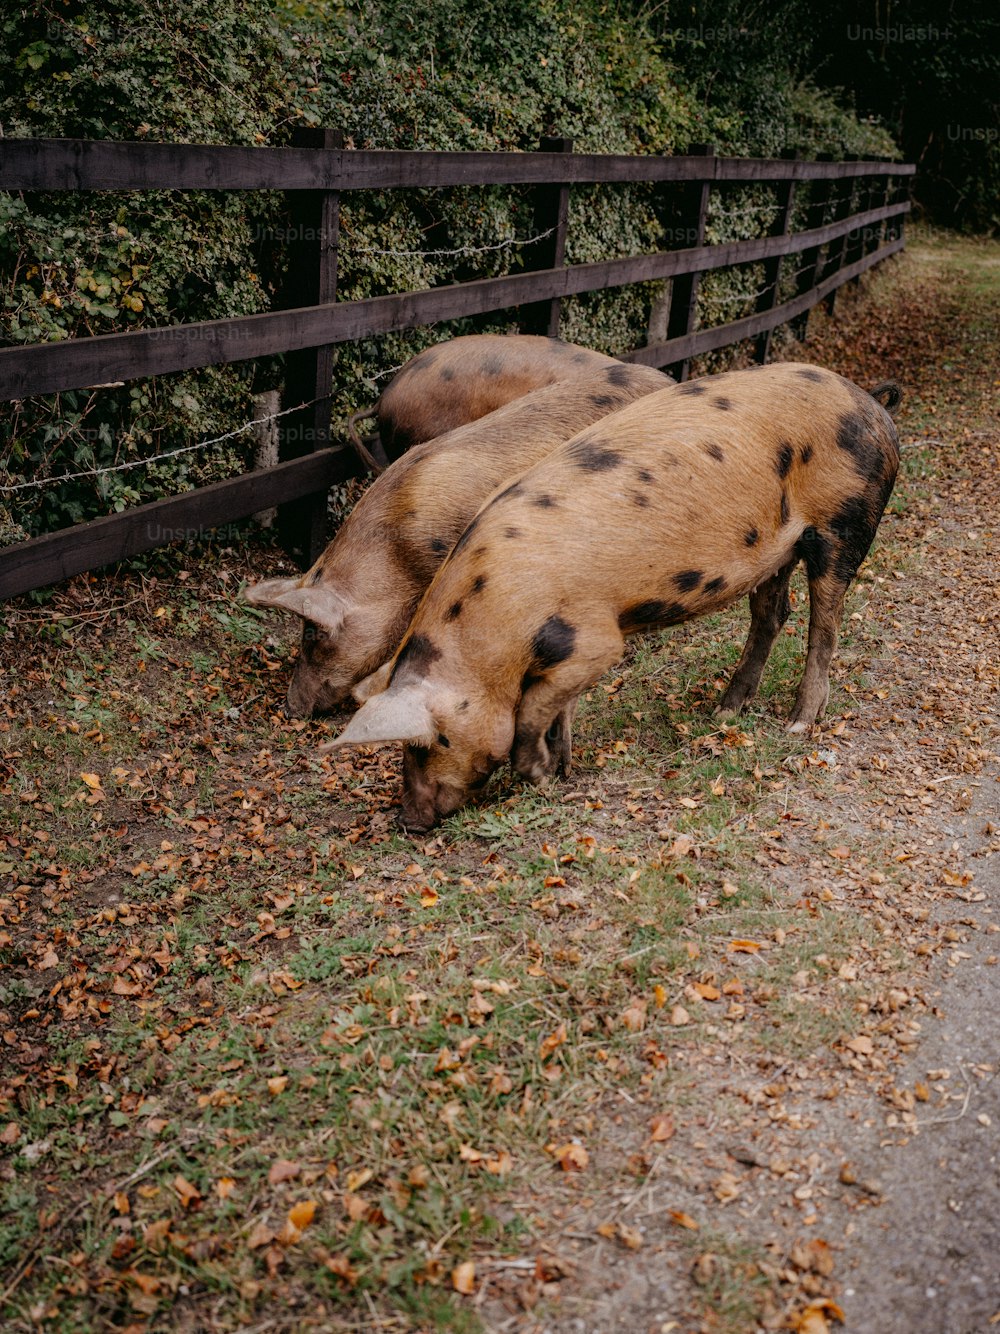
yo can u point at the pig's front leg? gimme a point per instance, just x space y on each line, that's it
543 737
538 755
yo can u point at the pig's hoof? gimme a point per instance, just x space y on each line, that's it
798 726
725 710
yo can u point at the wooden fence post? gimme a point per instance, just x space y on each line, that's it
866 200
878 199
892 196
552 216
693 213
897 194
314 237
823 196
781 226
836 251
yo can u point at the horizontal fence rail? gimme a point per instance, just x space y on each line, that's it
45 368
845 245
80 164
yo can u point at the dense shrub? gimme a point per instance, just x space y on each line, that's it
442 74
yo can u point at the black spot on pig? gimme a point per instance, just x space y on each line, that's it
316 576
855 439
885 485
593 456
438 546
688 580
815 376
644 475
618 376
552 643
463 706
491 366
813 548
723 404
783 462
425 362
640 500
784 507
447 372
715 585
715 452
807 453
751 537
853 527
544 502
692 388
512 532
416 657
651 613
603 400
454 611
478 584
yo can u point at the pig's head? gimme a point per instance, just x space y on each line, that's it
338 636
453 739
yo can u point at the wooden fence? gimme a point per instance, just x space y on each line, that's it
855 211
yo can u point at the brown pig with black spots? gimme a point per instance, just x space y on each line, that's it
674 507
463 379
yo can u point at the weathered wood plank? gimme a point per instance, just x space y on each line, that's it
56 556
772 267
312 281
551 215
44 368
82 164
722 335
692 207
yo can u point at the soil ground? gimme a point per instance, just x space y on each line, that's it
702 1040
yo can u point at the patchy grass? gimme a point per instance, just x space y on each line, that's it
270 1063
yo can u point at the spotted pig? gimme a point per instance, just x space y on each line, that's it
674 507
357 600
460 381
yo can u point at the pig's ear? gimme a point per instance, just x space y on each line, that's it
394 715
374 684
268 592
320 604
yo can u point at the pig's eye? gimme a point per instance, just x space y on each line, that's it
443 740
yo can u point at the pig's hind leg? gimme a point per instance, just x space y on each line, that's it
832 556
769 609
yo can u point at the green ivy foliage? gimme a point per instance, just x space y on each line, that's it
105 262
430 74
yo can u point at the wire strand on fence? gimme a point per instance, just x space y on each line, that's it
710 305
462 250
156 458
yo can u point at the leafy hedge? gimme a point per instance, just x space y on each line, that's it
443 74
